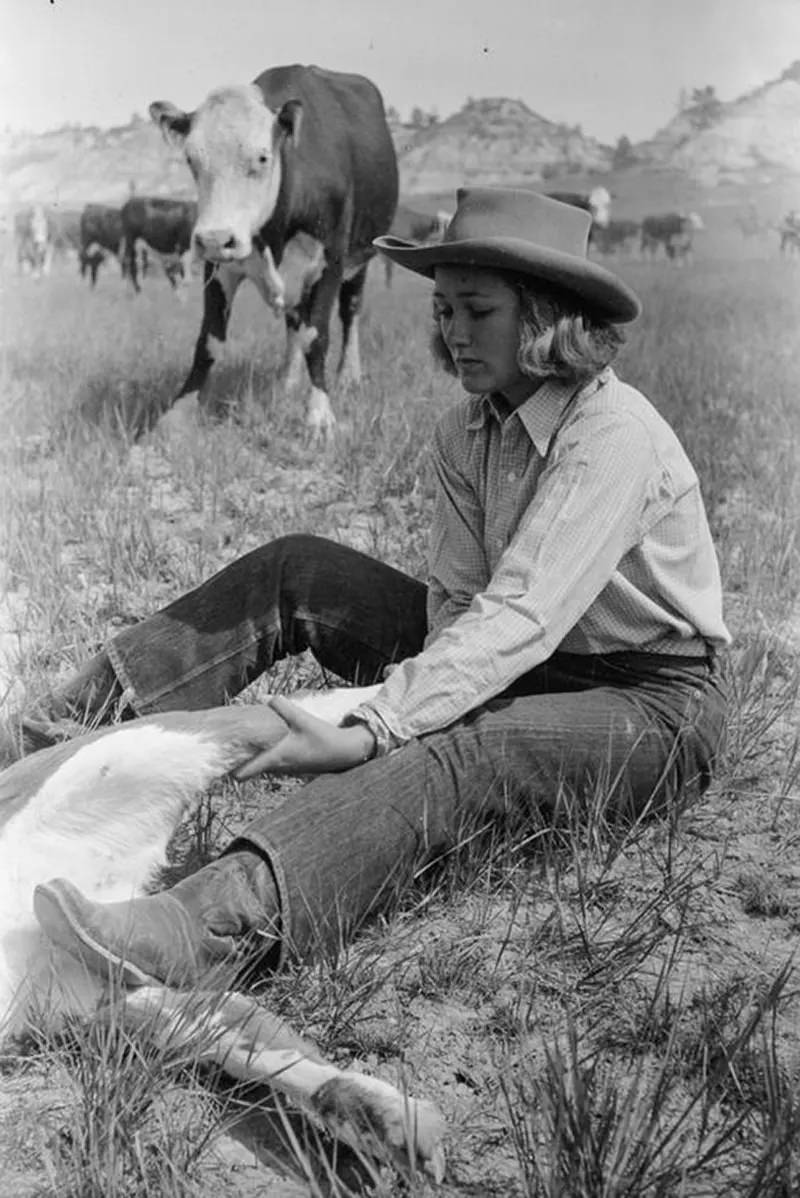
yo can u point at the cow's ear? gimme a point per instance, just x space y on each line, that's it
290 118
172 122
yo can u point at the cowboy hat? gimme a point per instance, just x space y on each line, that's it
508 228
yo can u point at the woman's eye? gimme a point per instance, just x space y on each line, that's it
442 313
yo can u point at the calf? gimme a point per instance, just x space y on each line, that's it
100 810
300 151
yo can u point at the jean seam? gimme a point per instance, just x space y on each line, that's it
117 660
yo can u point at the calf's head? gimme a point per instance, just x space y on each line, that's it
232 144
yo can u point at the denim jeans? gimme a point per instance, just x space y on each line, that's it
627 733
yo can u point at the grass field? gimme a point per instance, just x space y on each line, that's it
594 1017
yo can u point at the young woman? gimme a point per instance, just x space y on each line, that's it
560 656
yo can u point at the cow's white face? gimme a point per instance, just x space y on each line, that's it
600 205
232 144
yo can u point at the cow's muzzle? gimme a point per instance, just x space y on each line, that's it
220 245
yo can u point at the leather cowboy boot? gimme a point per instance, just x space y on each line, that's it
224 915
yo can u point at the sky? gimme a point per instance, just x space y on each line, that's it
612 66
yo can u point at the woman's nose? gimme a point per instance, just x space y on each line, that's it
460 331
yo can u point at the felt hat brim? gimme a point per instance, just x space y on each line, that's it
603 293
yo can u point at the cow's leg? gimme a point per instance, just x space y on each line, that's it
130 267
219 287
299 336
350 298
320 419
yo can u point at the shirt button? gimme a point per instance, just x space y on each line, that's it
512 476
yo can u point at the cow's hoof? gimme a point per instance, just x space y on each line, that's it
365 1110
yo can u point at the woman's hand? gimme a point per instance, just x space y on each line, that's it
310 746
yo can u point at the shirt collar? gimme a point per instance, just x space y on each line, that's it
540 415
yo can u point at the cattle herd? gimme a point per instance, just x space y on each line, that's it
295 175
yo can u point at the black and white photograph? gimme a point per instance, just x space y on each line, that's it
399 599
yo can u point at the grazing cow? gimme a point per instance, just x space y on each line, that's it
300 151
673 232
101 235
416 226
33 241
100 810
164 225
617 235
789 230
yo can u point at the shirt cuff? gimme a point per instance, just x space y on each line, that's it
385 740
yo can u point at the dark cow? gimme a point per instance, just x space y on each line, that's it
789 231
300 151
33 241
673 232
165 225
416 226
617 235
101 235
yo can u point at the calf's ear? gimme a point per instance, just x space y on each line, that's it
172 121
290 118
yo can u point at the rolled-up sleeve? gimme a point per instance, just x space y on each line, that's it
585 515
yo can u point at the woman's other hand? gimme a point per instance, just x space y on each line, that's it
310 746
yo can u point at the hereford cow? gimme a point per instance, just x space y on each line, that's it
673 232
101 235
164 225
33 241
300 151
99 811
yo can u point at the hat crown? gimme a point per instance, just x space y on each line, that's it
490 212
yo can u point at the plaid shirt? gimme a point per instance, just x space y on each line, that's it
574 522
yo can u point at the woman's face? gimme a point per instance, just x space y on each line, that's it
478 315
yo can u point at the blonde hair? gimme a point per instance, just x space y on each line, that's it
558 338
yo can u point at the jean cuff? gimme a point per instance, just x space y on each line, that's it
129 696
